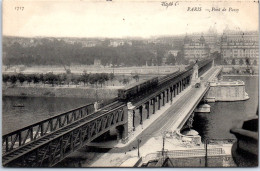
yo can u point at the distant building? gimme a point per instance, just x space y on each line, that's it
173 52
237 47
115 43
211 37
164 60
119 42
196 49
97 62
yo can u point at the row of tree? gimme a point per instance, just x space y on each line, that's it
59 79
57 52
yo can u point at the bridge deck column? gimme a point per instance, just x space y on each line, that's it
147 109
163 99
153 100
159 101
121 132
129 127
171 91
177 89
185 81
118 136
167 99
141 114
133 120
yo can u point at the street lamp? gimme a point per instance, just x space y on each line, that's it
157 67
138 142
206 148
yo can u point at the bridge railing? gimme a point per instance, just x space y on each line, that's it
183 153
30 133
56 148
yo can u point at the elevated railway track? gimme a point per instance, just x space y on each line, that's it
46 143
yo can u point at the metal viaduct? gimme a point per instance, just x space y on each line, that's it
46 143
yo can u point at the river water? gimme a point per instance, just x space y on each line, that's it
226 115
223 116
35 109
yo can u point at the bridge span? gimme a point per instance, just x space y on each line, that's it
196 95
46 143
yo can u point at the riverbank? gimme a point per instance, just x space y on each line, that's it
80 92
237 75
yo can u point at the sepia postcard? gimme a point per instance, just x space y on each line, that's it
134 83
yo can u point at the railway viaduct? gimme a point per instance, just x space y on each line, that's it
46 143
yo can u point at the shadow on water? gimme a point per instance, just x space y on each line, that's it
200 124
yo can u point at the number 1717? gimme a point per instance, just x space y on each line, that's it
19 8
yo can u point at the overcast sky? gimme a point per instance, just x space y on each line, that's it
122 19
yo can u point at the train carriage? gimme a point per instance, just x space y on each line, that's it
139 87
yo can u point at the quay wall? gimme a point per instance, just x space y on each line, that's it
227 92
101 93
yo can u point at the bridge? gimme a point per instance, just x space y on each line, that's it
46 143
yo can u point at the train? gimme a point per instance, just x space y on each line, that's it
137 88
140 87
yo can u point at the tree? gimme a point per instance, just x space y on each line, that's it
241 62
6 78
42 78
224 62
136 77
84 78
51 78
68 79
75 80
159 56
171 60
125 81
61 79
111 77
105 77
180 57
35 78
191 62
101 80
93 79
255 62
233 62
247 61
13 79
29 79
21 77
217 57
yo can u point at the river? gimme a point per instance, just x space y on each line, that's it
35 109
223 116
226 115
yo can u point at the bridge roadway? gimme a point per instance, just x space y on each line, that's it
51 147
170 119
187 104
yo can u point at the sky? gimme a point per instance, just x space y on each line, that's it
117 19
